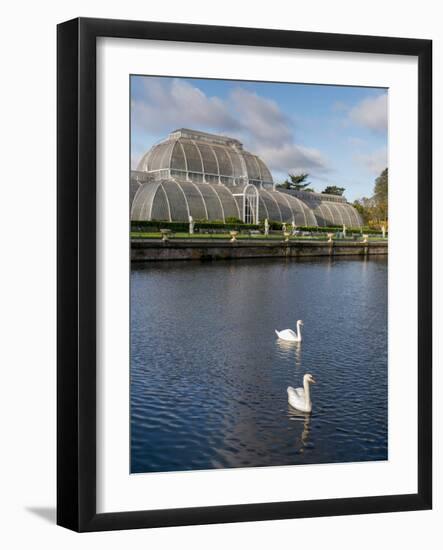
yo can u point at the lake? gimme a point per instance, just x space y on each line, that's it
209 376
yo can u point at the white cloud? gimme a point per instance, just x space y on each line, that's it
371 113
374 162
261 118
175 104
293 158
256 121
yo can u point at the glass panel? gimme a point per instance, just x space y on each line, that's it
158 156
271 206
223 161
286 211
177 202
265 173
251 166
141 207
178 161
195 200
160 210
229 205
236 162
192 156
213 205
210 165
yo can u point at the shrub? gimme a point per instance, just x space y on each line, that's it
183 227
232 220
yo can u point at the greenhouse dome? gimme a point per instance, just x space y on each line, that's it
204 158
211 177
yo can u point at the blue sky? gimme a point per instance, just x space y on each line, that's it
337 134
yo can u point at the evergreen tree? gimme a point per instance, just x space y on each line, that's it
297 182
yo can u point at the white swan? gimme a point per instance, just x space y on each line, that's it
289 335
300 398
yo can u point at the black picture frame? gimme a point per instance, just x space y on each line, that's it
76 265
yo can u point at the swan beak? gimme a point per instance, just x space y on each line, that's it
313 381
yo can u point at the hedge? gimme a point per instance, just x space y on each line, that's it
183 227
335 229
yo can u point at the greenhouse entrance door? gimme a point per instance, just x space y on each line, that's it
250 209
249 212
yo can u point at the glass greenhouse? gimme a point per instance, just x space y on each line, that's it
329 209
211 177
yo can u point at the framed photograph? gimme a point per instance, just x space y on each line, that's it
244 274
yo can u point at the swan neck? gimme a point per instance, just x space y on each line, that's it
306 387
298 330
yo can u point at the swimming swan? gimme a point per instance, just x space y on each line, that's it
289 334
300 398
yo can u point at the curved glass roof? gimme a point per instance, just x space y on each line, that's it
209 158
280 207
331 213
329 209
176 200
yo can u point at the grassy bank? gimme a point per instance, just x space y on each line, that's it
243 236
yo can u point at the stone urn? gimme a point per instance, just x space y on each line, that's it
286 235
330 235
166 233
365 238
233 236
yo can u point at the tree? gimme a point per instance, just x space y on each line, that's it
374 210
334 190
381 195
364 207
297 182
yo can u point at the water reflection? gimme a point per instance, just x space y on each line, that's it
298 354
291 350
303 419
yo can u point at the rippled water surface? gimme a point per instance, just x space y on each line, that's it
209 377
